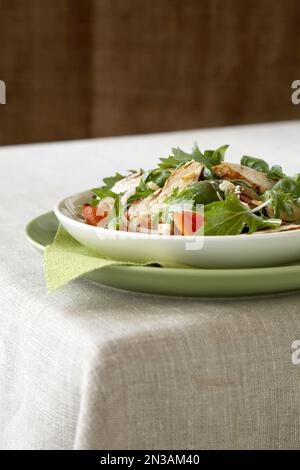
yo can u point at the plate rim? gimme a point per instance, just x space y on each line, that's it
189 271
188 238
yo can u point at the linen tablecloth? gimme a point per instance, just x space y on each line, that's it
92 367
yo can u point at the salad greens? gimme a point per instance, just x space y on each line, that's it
255 163
201 192
214 196
231 217
208 158
275 172
110 181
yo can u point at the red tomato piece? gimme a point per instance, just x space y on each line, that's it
187 222
90 215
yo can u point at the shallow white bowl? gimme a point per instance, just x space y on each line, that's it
240 251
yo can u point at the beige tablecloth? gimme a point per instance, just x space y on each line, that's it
90 367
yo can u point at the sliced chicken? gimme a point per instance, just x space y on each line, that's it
143 213
183 177
233 171
128 183
141 207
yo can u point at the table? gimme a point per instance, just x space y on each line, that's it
92 367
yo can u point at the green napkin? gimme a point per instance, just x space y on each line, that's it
66 259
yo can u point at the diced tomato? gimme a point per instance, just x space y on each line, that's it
90 215
187 222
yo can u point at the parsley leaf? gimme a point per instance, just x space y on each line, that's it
201 192
280 202
255 163
157 176
141 192
276 173
110 181
104 192
179 157
231 217
289 185
209 158
101 193
216 156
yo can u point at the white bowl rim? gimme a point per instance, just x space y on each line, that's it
152 236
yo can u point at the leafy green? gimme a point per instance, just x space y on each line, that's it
104 192
94 201
178 158
101 193
209 158
289 185
216 156
141 192
275 173
280 202
232 217
201 192
110 181
157 176
255 163
225 214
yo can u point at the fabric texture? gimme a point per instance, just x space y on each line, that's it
91 367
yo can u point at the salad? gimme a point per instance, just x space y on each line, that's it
198 193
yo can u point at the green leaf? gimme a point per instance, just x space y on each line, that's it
94 201
289 185
141 192
201 192
275 173
280 202
209 158
200 157
231 217
255 163
179 157
216 156
157 176
110 181
104 192
169 162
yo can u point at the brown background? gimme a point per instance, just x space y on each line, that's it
76 69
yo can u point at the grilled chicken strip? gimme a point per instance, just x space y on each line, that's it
128 183
256 179
182 177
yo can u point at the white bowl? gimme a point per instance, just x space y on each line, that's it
239 251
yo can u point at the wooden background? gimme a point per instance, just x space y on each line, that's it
86 68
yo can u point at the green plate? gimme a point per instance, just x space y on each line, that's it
180 282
